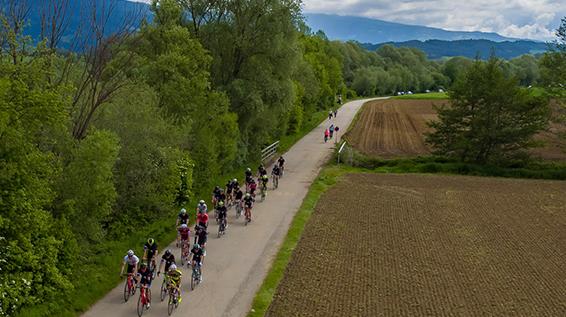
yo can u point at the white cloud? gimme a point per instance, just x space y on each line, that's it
534 19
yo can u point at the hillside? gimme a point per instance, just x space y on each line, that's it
436 49
366 30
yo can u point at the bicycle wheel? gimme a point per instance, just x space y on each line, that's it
141 304
193 282
163 293
171 303
126 291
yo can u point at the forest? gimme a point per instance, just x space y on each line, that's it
102 143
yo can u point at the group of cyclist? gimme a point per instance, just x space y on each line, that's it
143 271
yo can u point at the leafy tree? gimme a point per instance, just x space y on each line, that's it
490 118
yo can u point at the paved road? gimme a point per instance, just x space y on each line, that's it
237 263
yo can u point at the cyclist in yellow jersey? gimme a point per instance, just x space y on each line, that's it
175 276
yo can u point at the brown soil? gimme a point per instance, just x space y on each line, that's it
395 128
429 245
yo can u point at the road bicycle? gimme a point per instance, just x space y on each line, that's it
222 227
238 208
275 181
129 287
263 191
196 276
173 302
184 252
248 215
164 287
144 300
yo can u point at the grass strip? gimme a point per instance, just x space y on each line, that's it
325 179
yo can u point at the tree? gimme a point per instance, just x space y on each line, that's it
490 119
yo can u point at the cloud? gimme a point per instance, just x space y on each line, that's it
533 19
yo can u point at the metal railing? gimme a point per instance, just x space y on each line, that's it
269 151
340 151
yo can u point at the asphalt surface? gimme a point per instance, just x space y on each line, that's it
237 263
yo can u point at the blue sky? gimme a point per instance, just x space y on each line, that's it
533 19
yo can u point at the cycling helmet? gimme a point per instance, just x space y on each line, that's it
264 177
150 241
173 267
221 203
143 266
196 246
248 195
183 211
201 202
248 169
168 252
184 226
235 180
130 253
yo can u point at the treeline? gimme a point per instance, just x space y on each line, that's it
389 70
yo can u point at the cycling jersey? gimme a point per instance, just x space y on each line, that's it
198 254
133 260
239 195
175 276
183 218
222 212
248 174
202 219
221 197
146 277
281 161
202 237
184 232
253 186
151 249
262 171
276 170
248 202
168 259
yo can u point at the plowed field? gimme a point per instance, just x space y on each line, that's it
429 245
395 128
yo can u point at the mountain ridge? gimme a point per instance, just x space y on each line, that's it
367 30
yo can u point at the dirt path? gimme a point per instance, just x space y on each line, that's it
237 263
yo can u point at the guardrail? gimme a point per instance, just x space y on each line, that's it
269 151
340 151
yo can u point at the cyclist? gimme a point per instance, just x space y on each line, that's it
215 194
132 261
202 219
281 162
222 214
253 187
238 197
202 207
184 233
248 205
198 257
264 179
249 177
276 173
229 191
174 276
150 251
201 237
183 218
261 171
145 276
168 259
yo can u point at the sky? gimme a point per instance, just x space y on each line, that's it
527 19
530 19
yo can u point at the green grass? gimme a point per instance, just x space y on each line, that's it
425 96
326 179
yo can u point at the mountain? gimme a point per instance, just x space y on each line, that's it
436 49
77 9
366 30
